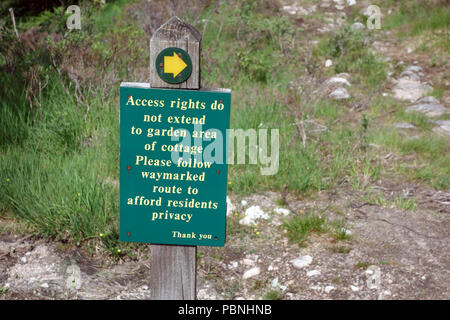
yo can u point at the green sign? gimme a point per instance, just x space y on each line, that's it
173 65
173 171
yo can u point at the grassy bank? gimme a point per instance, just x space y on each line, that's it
59 159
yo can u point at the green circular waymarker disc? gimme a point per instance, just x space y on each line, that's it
173 65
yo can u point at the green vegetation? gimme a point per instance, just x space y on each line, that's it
59 131
300 227
273 295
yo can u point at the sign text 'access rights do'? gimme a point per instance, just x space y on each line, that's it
173 171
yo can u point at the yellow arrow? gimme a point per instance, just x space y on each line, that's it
174 64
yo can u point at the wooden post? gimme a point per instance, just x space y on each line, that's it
174 268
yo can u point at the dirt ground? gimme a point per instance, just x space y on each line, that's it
390 254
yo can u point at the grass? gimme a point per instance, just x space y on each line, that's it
398 201
3 290
55 165
418 16
273 295
300 227
430 152
350 52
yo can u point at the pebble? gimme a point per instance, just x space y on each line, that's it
328 289
428 109
338 80
302 262
251 273
354 288
282 211
252 214
357 26
328 63
274 282
230 207
313 273
248 262
404 125
340 94
244 203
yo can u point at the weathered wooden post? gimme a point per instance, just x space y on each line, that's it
174 268
173 202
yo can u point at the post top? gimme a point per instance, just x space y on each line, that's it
176 29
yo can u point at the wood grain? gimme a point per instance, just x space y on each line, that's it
174 268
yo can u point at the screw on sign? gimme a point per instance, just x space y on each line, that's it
174 223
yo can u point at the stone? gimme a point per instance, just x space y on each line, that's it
252 214
282 211
248 262
444 124
302 261
328 63
275 283
244 203
328 289
357 26
410 89
354 288
428 109
230 207
428 99
404 125
340 94
338 80
251 273
313 273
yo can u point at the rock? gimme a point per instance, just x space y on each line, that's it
282 211
313 273
293 10
244 203
230 207
251 273
328 289
428 99
444 124
410 75
351 2
410 89
357 26
415 69
340 94
354 288
275 283
404 125
270 268
328 63
428 109
302 262
248 262
338 80
252 214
